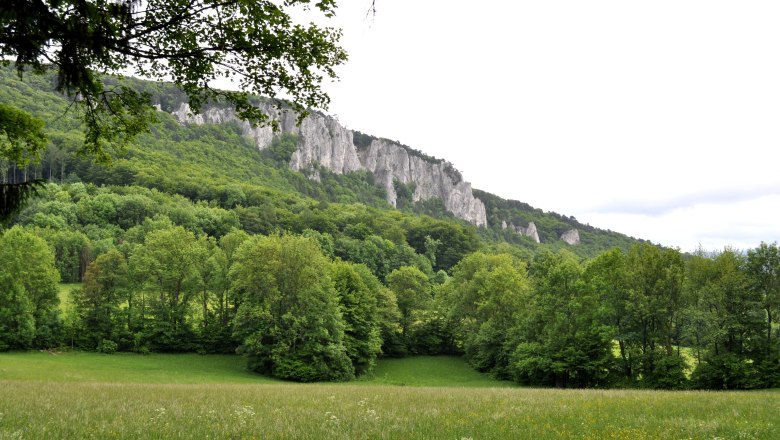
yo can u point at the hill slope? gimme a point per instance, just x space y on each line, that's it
265 176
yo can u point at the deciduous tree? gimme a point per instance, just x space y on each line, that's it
289 322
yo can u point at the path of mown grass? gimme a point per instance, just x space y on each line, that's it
227 402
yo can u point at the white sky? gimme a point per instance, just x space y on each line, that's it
658 119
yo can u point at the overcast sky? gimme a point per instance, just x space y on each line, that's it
658 119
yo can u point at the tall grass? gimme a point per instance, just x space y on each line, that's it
99 410
227 402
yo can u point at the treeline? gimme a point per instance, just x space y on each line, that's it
648 318
155 268
324 298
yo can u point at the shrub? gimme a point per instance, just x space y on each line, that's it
107 346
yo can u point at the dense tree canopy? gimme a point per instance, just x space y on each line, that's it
255 46
28 291
289 321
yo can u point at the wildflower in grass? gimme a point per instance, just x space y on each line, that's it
242 413
371 415
332 418
159 414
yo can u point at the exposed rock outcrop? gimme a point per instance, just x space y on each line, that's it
323 141
530 231
389 161
572 237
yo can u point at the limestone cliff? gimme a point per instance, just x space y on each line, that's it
572 237
530 231
323 141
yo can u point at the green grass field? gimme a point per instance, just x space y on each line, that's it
86 395
64 295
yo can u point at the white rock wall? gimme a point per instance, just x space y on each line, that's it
322 140
572 237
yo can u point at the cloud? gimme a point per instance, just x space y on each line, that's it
743 224
660 207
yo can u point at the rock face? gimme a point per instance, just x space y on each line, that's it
323 141
530 231
572 237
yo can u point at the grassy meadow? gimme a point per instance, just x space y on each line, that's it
86 395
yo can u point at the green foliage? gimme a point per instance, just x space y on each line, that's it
357 290
361 140
485 299
727 371
562 342
412 290
725 321
13 197
282 148
655 306
97 303
22 138
404 194
166 262
192 44
763 268
107 346
17 323
289 322
454 240
72 252
549 225
29 289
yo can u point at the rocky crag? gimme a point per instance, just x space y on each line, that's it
572 237
529 231
324 142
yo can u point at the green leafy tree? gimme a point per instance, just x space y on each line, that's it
606 277
228 300
282 148
732 311
17 324
289 322
655 307
97 303
357 289
167 262
563 341
22 140
30 285
485 298
72 252
413 294
763 267
452 241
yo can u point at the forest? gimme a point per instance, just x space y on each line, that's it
192 240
